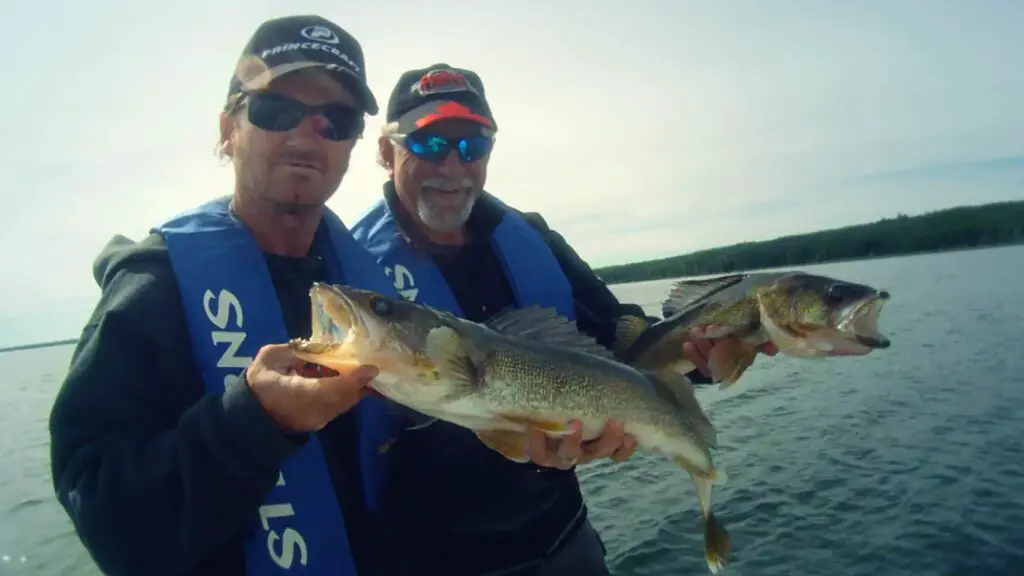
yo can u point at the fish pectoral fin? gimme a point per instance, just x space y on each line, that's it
511 445
549 427
444 348
729 359
627 330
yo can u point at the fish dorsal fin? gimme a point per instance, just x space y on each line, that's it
545 326
686 293
627 330
677 391
519 321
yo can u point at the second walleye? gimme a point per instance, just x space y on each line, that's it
803 315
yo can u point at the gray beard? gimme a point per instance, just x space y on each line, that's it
443 220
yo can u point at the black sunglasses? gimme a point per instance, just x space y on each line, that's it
434 148
279 113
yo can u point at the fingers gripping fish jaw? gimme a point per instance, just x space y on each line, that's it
336 330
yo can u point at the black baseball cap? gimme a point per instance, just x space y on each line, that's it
291 43
438 92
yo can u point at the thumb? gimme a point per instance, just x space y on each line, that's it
364 374
348 388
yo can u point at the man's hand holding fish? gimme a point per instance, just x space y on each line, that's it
698 349
571 450
614 443
299 403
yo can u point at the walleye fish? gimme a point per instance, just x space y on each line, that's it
802 314
524 368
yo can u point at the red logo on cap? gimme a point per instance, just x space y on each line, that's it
450 110
438 81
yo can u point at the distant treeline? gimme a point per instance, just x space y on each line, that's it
951 229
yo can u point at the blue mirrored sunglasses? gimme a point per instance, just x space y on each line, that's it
433 148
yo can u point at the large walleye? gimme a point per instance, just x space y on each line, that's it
524 368
802 314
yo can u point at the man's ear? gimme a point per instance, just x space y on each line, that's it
386 155
227 134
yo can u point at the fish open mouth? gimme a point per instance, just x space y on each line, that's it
333 314
335 323
860 320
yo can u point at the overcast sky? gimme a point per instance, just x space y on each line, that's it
638 129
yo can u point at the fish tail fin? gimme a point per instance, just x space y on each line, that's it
627 330
717 545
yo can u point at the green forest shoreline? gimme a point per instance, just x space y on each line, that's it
951 229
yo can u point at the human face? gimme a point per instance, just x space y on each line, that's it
440 194
297 169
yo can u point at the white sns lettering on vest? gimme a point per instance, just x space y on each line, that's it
403 281
227 303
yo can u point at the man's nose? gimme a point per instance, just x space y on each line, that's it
452 165
308 127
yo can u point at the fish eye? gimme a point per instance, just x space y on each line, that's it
836 293
381 306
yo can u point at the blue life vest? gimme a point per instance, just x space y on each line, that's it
437 468
221 271
532 270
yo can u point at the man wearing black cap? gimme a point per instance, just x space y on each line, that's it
453 505
186 438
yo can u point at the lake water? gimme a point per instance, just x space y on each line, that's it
906 462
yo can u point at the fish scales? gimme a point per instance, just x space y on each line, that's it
553 391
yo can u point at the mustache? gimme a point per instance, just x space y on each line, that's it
447 183
306 157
